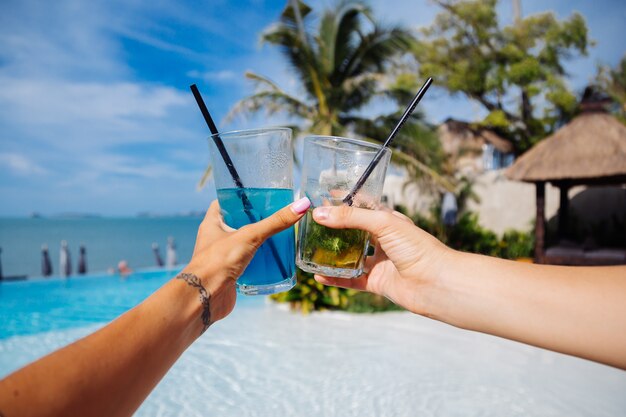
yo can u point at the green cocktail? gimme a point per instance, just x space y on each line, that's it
331 168
342 250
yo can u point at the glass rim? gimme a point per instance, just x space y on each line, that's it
327 140
244 133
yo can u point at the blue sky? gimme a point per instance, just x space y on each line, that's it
95 111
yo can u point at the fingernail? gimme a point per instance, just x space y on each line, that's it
321 213
301 205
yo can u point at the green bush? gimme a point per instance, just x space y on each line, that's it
515 244
309 295
364 302
469 236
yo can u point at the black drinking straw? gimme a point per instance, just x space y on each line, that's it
350 197
247 205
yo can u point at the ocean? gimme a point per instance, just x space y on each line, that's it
107 240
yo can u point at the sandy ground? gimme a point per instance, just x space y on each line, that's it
266 361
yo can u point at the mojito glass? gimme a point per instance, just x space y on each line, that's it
331 167
263 159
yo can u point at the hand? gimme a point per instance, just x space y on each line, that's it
405 261
222 253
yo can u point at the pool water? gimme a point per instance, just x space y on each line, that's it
42 305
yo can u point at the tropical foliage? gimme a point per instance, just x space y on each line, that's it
469 236
343 62
515 72
309 295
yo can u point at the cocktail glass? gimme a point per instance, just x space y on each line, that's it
332 165
263 159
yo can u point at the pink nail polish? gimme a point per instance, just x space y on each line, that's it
301 205
321 213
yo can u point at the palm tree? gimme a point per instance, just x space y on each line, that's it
342 67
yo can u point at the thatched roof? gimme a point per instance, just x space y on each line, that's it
589 148
457 136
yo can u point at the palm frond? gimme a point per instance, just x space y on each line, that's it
415 147
439 179
271 98
208 173
337 34
376 48
301 54
260 80
270 102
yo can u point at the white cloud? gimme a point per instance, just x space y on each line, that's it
20 164
75 118
64 38
66 101
158 43
103 167
213 76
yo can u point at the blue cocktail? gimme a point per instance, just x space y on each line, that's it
271 269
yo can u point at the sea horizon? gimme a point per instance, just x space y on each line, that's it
107 239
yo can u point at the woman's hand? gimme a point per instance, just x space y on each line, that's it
222 253
406 258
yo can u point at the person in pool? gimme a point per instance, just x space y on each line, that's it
574 310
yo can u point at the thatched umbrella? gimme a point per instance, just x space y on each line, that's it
590 150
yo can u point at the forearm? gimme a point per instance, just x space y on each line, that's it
121 362
574 310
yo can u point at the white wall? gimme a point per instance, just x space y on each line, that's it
509 204
407 195
506 204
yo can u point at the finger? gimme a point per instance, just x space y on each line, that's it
212 211
343 217
359 283
256 233
213 220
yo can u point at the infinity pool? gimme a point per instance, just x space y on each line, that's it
41 305
263 360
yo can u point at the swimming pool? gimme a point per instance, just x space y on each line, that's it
41 305
264 360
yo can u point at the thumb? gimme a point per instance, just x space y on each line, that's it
344 217
284 218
